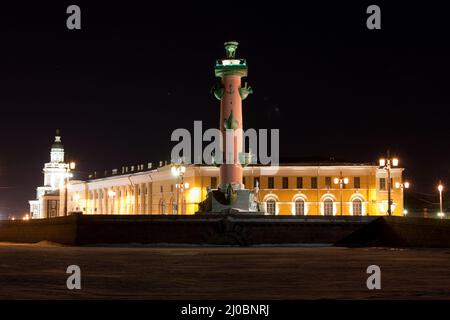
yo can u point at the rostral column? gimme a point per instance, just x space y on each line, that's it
231 93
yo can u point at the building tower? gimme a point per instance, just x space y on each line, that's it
47 196
55 170
231 193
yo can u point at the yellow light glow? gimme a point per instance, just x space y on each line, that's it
382 162
72 165
186 185
345 180
76 197
194 195
397 185
395 162
336 180
174 171
440 187
111 193
406 185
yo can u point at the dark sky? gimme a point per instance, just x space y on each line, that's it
118 87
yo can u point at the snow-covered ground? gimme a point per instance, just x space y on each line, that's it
164 272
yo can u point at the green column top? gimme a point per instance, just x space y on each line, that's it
231 65
230 48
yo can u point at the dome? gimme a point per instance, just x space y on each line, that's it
57 144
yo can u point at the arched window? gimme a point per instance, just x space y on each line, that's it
174 206
162 207
299 207
271 206
328 207
357 207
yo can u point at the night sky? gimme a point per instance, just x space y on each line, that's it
118 87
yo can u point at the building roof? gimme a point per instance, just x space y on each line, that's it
299 161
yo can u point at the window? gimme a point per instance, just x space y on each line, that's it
171 188
328 182
256 182
162 207
357 207
357 182
314 182
299 182
285 182
270 182
213 182
382 183
161 188
174 207
299 207
328 207
243 180
271 206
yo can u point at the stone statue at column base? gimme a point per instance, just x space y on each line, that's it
231 200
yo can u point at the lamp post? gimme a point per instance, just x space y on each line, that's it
440 189
178 170
387 164
402 186
182 187
342 182
67 176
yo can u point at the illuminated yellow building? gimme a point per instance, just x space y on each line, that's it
291 189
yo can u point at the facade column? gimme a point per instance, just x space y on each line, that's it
99 201
150 197
115 201
105 201
142 198
88 202
94 202
123 200
118 199
137 198
128 199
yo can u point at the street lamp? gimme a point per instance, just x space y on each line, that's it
341 181
387 164
402 186
178 170
440 189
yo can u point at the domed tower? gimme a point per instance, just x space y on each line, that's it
55 169
57 150
47 201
